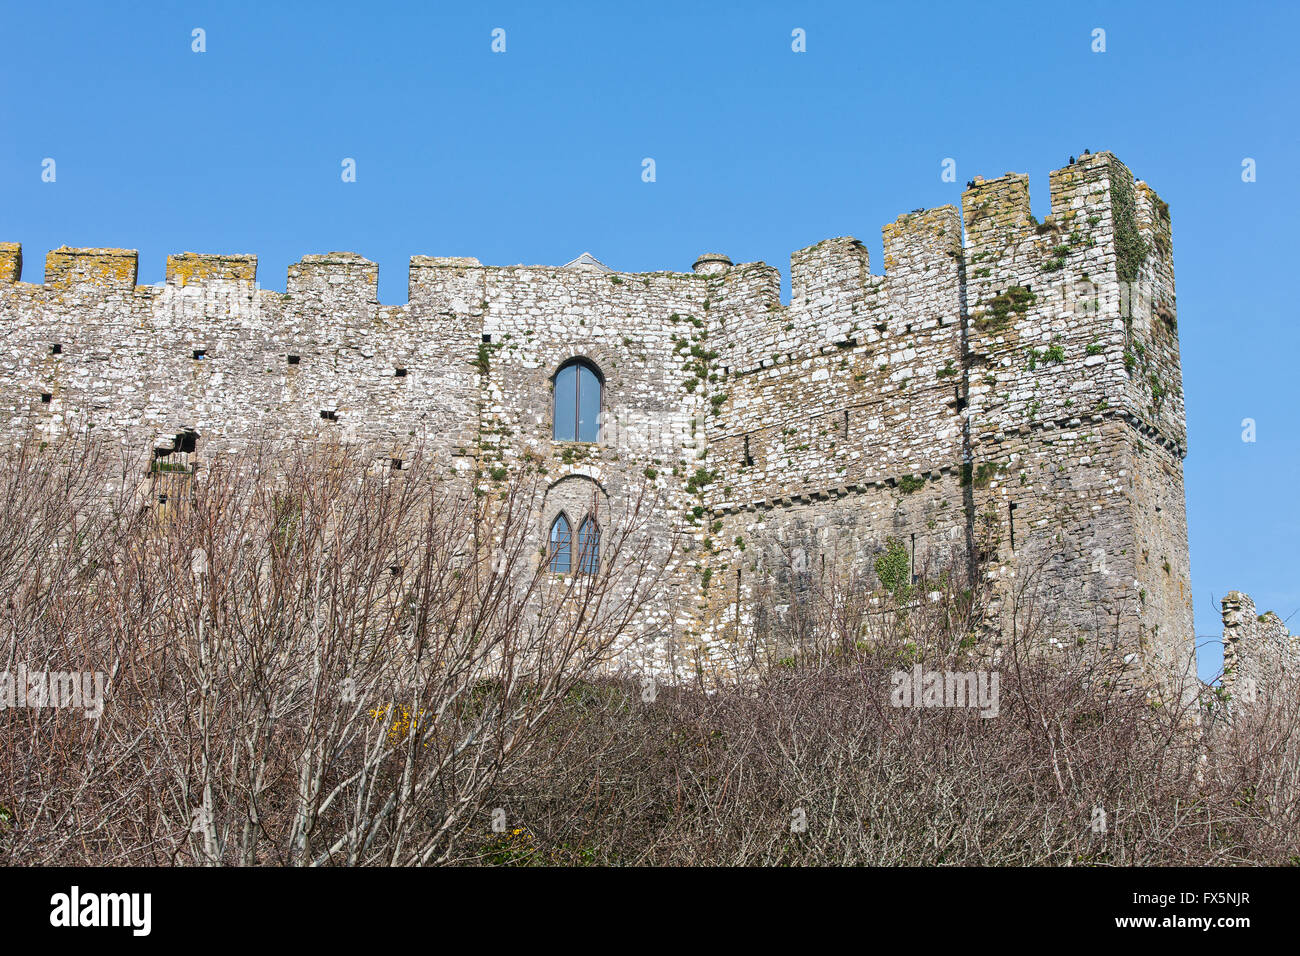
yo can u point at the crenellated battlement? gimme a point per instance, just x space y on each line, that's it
191 268
1003 388
11 262
113 268
996 209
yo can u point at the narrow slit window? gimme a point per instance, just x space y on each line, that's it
588 546
560 549
294 359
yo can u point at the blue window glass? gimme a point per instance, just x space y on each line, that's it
566 403
588 546
577 403
560 550
588 404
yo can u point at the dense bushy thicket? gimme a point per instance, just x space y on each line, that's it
324 663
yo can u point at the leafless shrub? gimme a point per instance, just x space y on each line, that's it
315 661
310 660
812 764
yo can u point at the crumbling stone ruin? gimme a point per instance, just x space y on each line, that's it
1261 659
1014 397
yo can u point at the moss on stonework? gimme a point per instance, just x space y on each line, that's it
910 483
1158 391
700 479
982 475
893 569
1016 300
1130 248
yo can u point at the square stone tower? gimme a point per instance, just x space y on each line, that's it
1076 417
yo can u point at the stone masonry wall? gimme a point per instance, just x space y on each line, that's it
1260 658
1025 379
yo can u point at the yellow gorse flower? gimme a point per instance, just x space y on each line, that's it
404 724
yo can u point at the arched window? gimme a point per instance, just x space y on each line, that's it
588 546
560 551
577 402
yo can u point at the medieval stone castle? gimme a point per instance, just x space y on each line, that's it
1015 397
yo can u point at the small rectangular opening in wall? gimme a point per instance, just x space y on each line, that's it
294 359
748 459
487 339
396 464
56 349
1011 516
46 398
329 414
199 354
737 611
394 569
399 372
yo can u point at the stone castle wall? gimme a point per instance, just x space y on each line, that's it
1011 382
1261 659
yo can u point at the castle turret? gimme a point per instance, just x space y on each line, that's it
711 264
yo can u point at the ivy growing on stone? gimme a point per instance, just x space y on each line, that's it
893 570
1130 248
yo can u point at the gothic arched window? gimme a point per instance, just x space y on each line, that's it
588 546
577 402
560 550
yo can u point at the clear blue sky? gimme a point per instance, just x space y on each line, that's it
535 155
